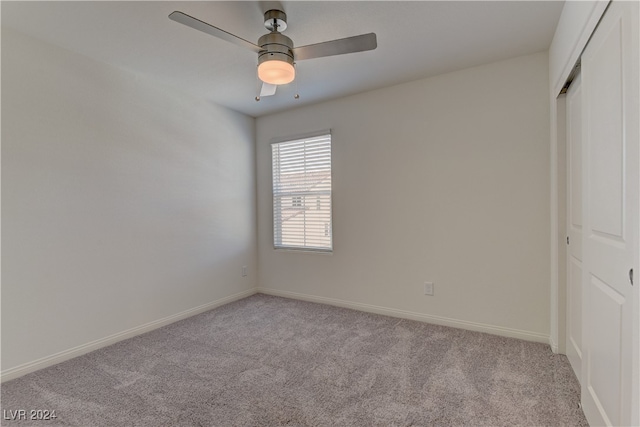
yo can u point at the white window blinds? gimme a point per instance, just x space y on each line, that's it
302 194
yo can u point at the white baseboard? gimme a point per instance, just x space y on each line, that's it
53 359
554 345
62 356
403 314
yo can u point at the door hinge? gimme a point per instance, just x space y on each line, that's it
567 240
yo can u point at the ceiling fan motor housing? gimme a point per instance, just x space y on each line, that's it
275 46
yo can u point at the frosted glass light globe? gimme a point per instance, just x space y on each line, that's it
276 72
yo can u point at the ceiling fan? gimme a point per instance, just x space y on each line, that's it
276 52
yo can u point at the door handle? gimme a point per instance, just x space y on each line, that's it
631 276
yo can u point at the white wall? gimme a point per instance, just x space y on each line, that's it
443 179
123 201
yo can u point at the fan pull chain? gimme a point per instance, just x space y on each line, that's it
258 86
297 95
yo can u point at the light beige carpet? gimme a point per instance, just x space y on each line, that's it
268 361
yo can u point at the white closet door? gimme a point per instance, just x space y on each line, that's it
574 226
610 215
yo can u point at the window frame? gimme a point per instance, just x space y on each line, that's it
310 249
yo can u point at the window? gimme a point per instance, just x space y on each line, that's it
302 194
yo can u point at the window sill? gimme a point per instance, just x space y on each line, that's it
305 251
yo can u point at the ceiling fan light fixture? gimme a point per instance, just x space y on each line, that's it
275 60
276 72
276 54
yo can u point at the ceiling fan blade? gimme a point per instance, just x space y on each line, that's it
268 89
359 43
199 25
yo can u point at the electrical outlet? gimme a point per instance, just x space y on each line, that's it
244 271
428 288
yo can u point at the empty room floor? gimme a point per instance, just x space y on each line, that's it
269 361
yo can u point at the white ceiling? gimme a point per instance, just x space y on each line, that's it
416 39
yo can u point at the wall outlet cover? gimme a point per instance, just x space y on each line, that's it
428 288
